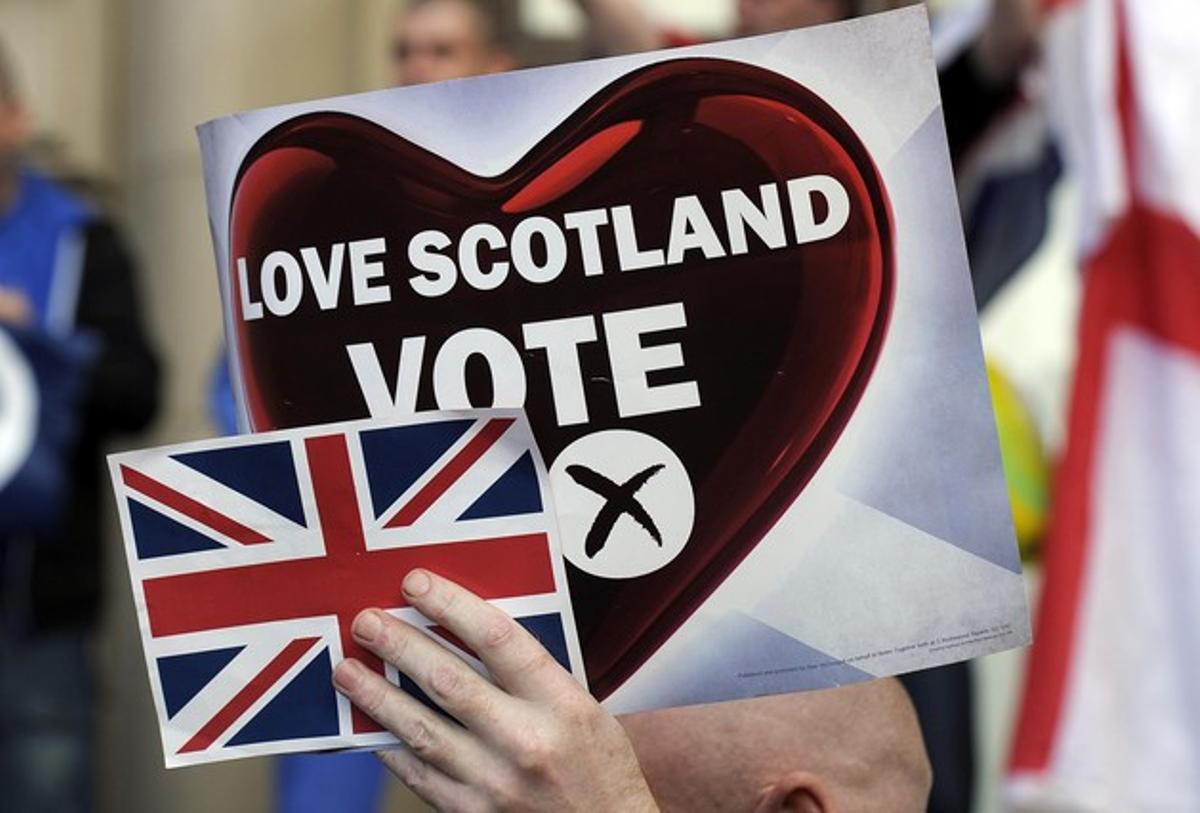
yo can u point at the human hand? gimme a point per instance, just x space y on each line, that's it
533 741
15 309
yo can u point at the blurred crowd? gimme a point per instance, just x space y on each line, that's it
79 371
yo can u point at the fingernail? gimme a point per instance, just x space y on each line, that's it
416 583
347 675
367 626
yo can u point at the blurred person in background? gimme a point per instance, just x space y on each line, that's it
437 40
75 369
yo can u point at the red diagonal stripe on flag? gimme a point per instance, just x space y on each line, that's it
251 692
190 508
449 474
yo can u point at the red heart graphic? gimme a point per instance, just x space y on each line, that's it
781 341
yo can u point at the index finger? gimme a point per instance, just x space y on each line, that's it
515 659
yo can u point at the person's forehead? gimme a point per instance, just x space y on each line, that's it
782 6
455 19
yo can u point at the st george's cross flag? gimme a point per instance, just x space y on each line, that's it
251 556
1110 718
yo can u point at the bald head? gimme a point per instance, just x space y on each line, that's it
848 749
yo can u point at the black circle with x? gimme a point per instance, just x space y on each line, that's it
618 500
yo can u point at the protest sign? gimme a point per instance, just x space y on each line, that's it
251 556
728 285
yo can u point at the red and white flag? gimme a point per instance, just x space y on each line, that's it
1111 712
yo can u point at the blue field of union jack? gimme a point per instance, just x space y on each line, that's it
250 556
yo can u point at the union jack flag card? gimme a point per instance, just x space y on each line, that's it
250 556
